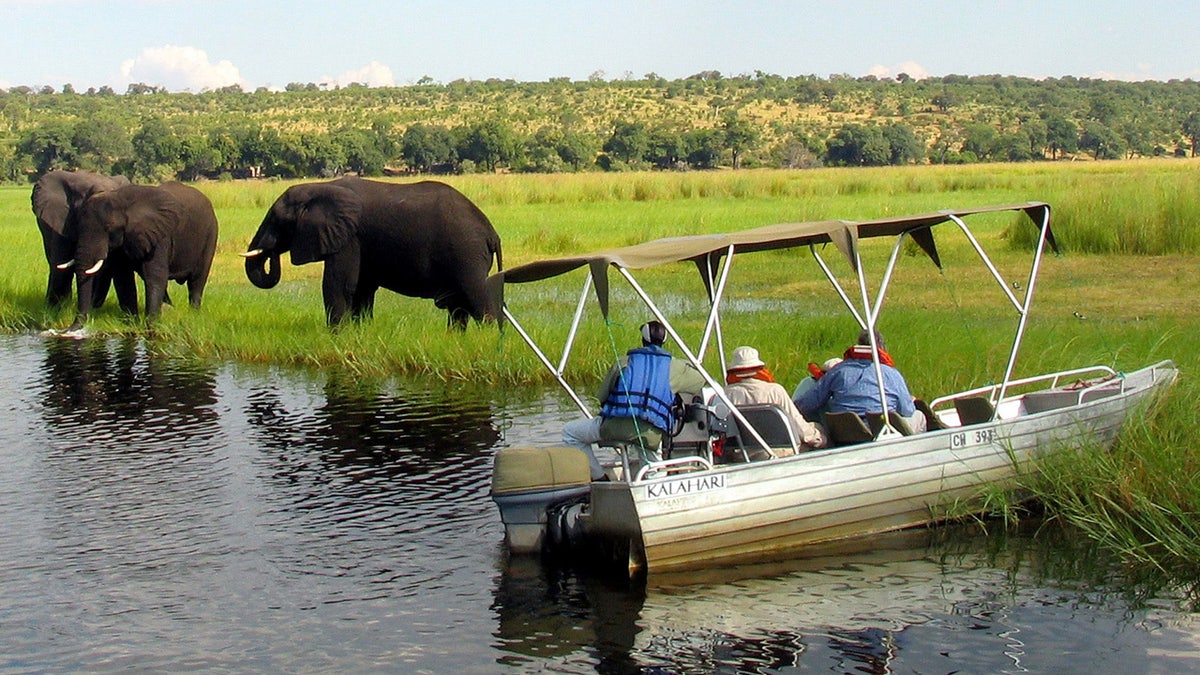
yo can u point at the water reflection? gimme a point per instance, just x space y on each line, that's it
96 391
940 600
385 479
364 423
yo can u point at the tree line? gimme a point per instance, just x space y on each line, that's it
705 121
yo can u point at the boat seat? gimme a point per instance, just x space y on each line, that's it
771 423
875 423
974 410
932 421
847 428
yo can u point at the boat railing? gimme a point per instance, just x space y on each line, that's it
673 465
1051 381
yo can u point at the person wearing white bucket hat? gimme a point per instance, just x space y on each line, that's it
749 382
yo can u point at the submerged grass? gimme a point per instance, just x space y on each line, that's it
1123 296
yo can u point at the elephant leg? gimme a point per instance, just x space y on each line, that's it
155 277
195 286
156 290
362 306
126 288
58 286
457 318
340 281
456 310
104 280
473 299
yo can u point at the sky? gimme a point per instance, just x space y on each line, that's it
196 45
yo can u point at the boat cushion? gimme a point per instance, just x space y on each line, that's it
519 469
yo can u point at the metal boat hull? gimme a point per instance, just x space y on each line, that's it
749 510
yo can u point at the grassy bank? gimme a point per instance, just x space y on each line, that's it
1123 295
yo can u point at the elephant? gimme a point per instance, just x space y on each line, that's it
424 240
164 233
56 199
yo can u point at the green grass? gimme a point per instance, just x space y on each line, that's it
541 216
1123 296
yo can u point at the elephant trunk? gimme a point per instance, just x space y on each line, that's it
262 269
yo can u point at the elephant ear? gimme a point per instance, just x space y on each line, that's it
58 193
50 203
151 216
326 220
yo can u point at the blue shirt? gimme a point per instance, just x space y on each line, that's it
851 386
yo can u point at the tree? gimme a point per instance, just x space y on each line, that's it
858 145
1036 131
312 155
1013 147
362 149
49 145
981 140
157 151
629 143
738 136
945 100
1102 142
703 148
490 144
100 143
904 145
666 147
1062 136
1191 128
425 146
576 149
200 158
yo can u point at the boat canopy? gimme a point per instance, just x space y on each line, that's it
706 250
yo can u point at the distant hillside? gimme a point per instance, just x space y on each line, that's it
704 121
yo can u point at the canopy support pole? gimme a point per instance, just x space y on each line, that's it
718 389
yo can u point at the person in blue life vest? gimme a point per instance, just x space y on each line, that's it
852 386
636 398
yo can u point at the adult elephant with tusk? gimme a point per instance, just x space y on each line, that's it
424 240
164 233
57 199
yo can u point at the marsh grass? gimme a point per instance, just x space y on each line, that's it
541 216
1142 498
1124 295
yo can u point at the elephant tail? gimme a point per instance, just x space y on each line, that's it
494 245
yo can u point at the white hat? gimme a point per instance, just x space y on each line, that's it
830 363
745 358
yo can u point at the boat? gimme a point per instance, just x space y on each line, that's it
722 490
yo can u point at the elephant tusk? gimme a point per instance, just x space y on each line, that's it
94 268
252 254
65 266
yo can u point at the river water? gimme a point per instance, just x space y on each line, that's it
159 515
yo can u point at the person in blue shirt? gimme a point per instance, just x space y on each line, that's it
852 386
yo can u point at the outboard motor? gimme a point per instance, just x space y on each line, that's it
564 530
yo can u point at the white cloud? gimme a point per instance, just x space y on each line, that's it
180 69
374 74
1144 72
911 68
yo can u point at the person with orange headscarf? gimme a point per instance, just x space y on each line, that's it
852 385
747 381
